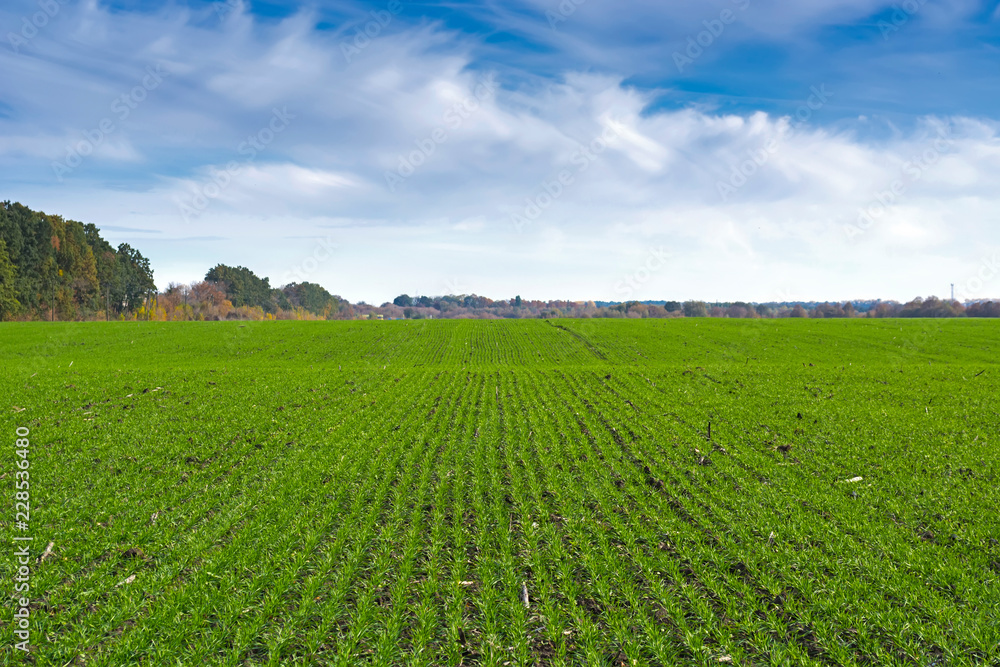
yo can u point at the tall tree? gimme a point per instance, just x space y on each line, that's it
243 287
65 269
695 309
133 279
311 297
9 304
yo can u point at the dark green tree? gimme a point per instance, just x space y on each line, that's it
133 279
279 297
243 287
311 297
107 265
695 309
64 269
9 304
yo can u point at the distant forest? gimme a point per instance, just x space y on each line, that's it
57 269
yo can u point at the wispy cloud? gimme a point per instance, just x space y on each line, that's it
656 185
129 230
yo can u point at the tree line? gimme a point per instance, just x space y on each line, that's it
236 292
472 306
57 269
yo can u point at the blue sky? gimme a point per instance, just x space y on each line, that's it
721 150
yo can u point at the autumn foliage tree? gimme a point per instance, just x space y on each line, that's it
63 269
984 309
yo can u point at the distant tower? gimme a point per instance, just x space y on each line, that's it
953 291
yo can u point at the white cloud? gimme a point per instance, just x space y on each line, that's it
658 182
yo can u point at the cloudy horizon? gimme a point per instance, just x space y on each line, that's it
728 150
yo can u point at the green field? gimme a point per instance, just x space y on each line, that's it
507 492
